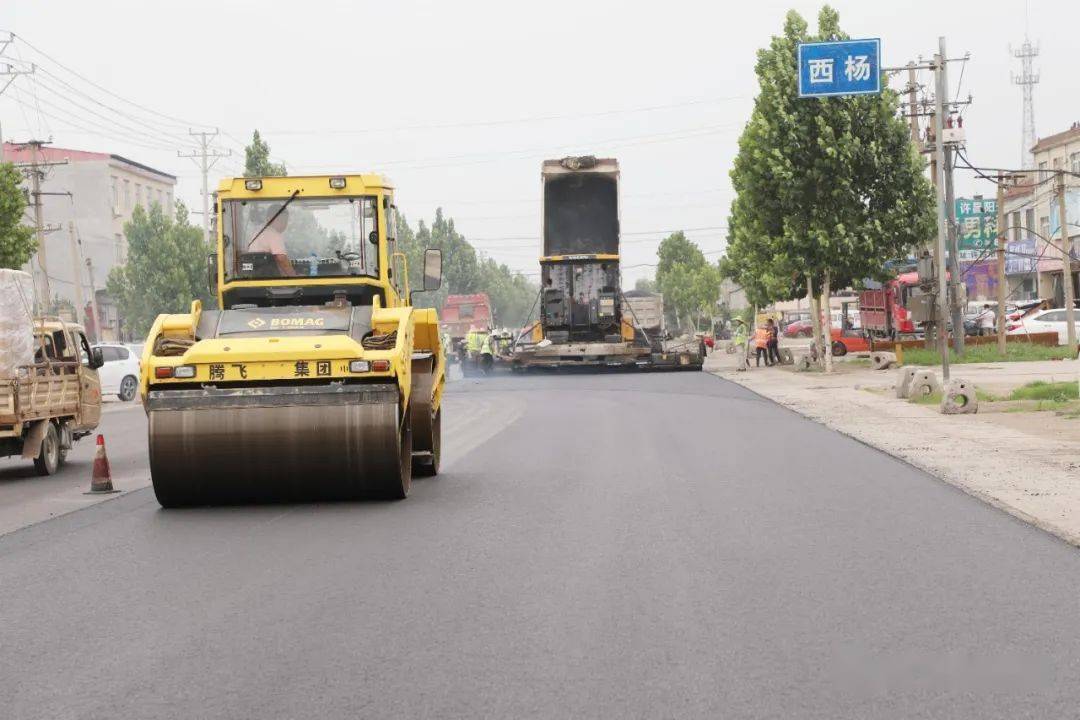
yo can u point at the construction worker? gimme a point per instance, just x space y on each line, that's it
739 335
773 347
761 344
486 358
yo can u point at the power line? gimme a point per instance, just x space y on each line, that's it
156 132
145 137
181 122
511 121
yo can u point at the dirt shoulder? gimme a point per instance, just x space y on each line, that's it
1026 463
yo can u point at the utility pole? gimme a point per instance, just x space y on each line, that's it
206 157
956 278
35 171
943 230
76 273
1001 264
93 301
1066 266
10 72
913 106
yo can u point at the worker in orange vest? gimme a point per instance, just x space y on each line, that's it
761 343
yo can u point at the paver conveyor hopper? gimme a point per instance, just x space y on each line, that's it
317 379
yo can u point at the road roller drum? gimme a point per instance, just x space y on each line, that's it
258 444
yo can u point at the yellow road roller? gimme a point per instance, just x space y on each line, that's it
316 379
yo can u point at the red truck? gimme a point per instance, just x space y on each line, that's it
462 312
884 313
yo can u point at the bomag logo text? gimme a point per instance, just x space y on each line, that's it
297 322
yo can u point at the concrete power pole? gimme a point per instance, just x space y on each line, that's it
1066 266
93 301
206 157
10 72
942 217
76 273
955 276
35 172
1001 295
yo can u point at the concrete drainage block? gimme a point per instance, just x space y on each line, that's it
882 360
959 398
804 363
786 356
903 381
923 383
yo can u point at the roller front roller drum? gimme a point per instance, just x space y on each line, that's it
426 419
239 445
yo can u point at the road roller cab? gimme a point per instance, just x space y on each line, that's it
316 378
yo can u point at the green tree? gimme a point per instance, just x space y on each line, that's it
826 188
645 284
690 284
257 159
165 268
17 241
512 295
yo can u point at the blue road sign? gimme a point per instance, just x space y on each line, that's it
844 67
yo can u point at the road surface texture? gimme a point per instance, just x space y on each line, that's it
27 498
599 546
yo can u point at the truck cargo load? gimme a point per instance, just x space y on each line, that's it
16 321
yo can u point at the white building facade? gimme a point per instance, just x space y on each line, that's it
1057 152
104 191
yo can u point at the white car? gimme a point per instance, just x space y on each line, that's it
120 373
1045 321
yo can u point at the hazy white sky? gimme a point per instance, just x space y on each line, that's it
460 101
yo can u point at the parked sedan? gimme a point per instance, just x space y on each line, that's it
120 373
1044 321
799 328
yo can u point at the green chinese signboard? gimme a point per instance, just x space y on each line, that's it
976 221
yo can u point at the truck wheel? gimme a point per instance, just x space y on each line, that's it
839 349
48 460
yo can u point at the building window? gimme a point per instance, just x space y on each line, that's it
1074 162
121 249
1044 227
138 194
1014 225
1042 171
161 200
115 195
127 195
1029 223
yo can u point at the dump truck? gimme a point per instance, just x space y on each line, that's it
317 378
581 319
50 393
460 313
646 311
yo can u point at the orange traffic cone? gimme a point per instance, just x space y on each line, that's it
101 479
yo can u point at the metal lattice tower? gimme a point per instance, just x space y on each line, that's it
1027 80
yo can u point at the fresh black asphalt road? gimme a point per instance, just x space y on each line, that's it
599 546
